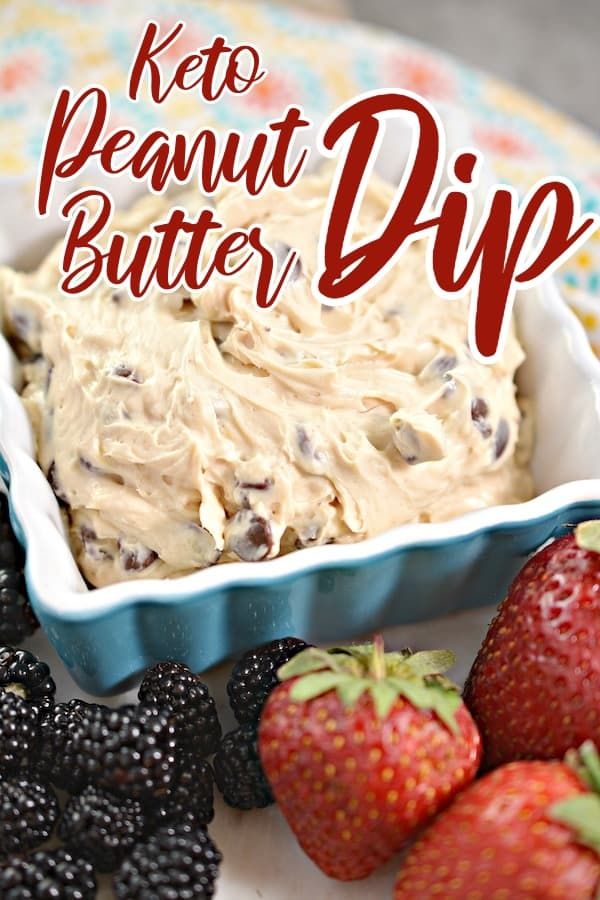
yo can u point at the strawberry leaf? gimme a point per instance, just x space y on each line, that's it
440 699
585 762
430 662
591 761
351 671
310 660
316 683
384 695
587 535
349 691
582 814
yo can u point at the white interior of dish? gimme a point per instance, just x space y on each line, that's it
561 376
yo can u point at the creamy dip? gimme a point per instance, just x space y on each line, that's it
184 430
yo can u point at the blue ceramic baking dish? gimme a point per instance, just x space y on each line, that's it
107 635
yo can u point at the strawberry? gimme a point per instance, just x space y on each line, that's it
361 748
528 830
534 687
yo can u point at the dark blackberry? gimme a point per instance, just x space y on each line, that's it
238 772
11 578
192 792
47 875
56 759
19 732
177 861
255 675
102 828
28 811
17 619
173 686
130 750
11 553
24 673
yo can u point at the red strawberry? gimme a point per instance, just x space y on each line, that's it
362 748
528 830
534 687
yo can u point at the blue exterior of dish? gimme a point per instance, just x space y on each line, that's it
326 603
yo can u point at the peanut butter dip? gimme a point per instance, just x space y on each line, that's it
184 430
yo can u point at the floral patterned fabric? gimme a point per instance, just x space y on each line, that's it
313 61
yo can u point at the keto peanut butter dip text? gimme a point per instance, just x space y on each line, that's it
183 430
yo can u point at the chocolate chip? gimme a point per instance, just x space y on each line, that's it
136 559
479 413
52 477
438 367
304 442
264 485
124 371
21 325
501 438
249 536
96 470
479 409
281 251
417 439
92 548
87 533
443 364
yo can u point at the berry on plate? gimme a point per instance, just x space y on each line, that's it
528 830
11 554
173 686
28 811
129 751
238 772
17 619
192 792
101 827
534 687
177 861
255 675
19 732
23 673
59 725
362 748
47 874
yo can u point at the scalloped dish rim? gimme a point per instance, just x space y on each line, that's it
75 605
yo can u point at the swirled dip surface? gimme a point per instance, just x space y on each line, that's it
179 431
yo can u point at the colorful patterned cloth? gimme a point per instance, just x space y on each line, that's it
316 62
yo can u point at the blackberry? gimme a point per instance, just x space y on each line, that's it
17 619
101 827
238 772
177 861
25 674
19 731
11 553
46 875
192 792
130 750
56 759
255 675
28 811
174 686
